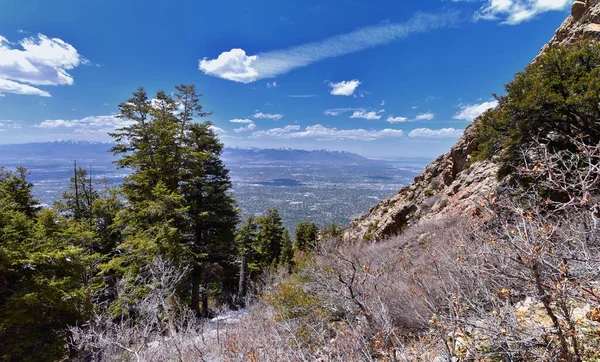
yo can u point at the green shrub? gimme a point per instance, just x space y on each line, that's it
555 99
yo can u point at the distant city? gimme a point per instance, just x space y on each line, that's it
321 186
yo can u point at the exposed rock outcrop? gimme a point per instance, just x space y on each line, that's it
451 185
583 23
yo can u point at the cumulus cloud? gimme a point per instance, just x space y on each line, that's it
275 117
419 117
472 111
320 132
246 128
233 65
435 133
36 61
344 88
217 130
425 116
237 66
242 121
372 115
514 12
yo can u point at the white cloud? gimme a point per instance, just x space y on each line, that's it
89 124
514 12
382 103
262 115
425 116
276 132
38 61
233 65
272 84
320 132
435 133
372 115
344 88
6 124
217 130
242 121
236 65
9 86
420 117
392 119
247 128
338 111
470 112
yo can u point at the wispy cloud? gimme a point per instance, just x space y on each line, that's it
338 111
435 133
7 124
471 111
272 84
259 115
237 66
344 88
514 12
37 61
320 132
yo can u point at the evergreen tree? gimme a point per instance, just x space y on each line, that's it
270 238
79 199
42 274
150 232
205 186
164 146
306 236
16 191
287 251
246 240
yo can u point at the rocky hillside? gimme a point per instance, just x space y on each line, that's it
452 185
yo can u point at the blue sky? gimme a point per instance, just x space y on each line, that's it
387 79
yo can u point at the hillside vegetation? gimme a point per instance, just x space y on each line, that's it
137 273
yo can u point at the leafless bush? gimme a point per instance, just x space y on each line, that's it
157 329
520 283
517 281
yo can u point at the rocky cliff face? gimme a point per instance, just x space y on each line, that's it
452 186
448 186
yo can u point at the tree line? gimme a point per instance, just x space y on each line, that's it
60 265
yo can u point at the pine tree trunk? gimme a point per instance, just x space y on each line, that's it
243 287
205 301
195 305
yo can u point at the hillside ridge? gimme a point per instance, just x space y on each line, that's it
452 185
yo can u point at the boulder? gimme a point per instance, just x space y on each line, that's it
578 9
